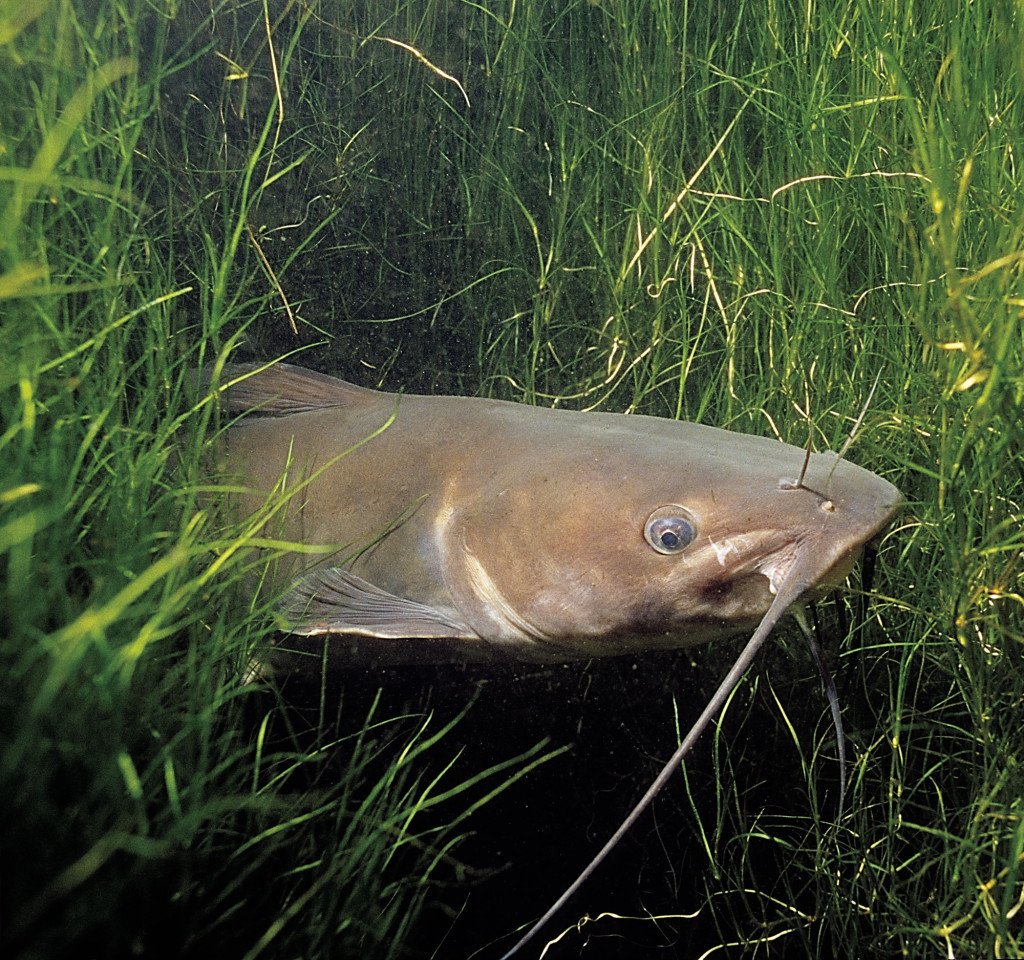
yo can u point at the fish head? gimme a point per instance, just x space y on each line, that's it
659 538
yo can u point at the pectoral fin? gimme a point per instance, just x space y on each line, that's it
332 600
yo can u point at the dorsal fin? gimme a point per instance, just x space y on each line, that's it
283 389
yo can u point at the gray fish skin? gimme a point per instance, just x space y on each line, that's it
502 531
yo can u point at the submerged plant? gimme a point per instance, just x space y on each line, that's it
723 212
154 800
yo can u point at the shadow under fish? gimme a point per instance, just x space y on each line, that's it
467 529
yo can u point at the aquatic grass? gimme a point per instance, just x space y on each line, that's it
737 213
153 800
834 195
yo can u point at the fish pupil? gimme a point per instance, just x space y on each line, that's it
669 539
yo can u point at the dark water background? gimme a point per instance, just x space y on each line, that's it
532 840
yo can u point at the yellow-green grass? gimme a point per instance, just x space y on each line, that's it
733 212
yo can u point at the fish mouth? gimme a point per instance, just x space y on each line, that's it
778 566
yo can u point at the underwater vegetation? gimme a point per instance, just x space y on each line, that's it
739 214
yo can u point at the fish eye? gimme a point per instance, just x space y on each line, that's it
669 529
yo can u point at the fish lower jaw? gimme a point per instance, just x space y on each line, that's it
831 576
839 571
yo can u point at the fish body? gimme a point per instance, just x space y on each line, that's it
474 529
477 529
